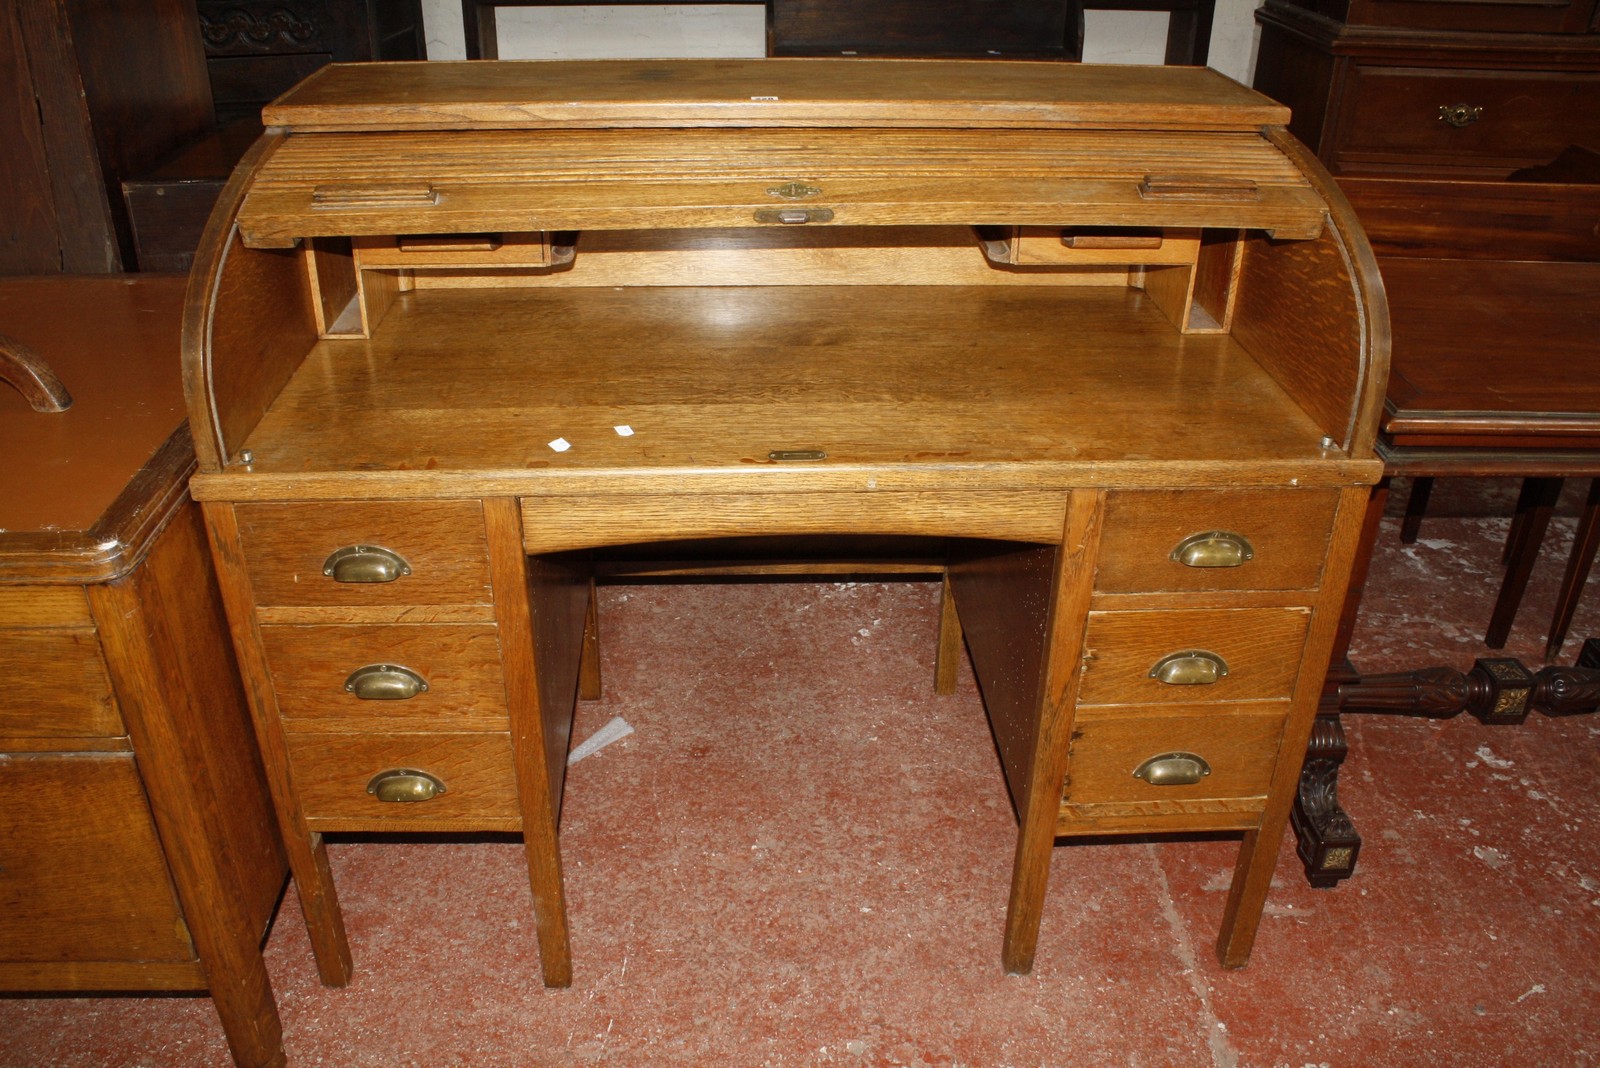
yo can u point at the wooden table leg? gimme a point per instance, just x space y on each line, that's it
1416 508
1537 501
477 20
1584 547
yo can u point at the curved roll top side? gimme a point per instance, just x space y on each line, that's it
247 322
1314 314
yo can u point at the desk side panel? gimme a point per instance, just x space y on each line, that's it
247 323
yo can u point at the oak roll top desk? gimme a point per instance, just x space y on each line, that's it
1106 341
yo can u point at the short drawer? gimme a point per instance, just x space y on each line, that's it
1414 118
1193 540
387 678
336 778
1151 754
1191 657
394 553
56 685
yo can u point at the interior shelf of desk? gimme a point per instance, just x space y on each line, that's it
722 377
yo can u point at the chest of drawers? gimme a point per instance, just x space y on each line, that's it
137 846
1103 343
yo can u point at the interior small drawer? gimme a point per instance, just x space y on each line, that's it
1411 117
367 781
1174 754
1192 656
366 552
1193 540
442 677
56 685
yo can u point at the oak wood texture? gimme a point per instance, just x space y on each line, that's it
429 182
1288 533
135 851
738 92
894 381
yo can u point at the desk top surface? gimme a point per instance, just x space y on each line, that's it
770 92
113 341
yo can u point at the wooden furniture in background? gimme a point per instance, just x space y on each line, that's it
1465 136
257 49
169 204
1014 29
87 98
432 301
137 848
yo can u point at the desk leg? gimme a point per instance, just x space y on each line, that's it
1537 501
541 607
308 858
1023 611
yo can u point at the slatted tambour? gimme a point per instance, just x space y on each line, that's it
577 179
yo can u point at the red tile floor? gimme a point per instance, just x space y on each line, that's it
800 857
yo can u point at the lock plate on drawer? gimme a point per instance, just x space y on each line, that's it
405 785
1191 667
385 682
365 563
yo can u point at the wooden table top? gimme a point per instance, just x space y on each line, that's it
1491 353
113 342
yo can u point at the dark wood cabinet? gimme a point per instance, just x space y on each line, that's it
90 93
258 49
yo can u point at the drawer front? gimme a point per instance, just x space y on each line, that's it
321 673
332 773
1238 750
1513 119
1256 651
441 546
82 874
56 686
1157 540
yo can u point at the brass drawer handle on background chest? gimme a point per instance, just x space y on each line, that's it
405 785
365 563
1459 115
385 682
1173 769
1214 548
1192 667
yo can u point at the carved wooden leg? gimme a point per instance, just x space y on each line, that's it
1584 547
1522 549
1326 838
1416 508
1327 842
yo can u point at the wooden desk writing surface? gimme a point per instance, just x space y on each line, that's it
1095 342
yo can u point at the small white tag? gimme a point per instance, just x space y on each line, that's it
561 444
623 431
772 99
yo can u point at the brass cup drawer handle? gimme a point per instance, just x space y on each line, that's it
405 785
365 563
1191 667
1459 115
385 682
1173 769
1214 548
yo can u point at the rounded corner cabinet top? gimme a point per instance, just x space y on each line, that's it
769 92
